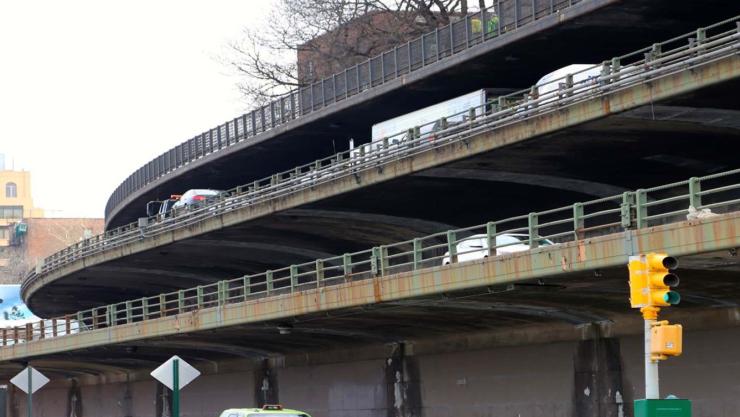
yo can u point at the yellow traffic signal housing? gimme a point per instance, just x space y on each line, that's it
660 280
666 340
639 292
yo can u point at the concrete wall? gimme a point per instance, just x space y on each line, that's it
588 378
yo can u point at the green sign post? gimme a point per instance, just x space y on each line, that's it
175 374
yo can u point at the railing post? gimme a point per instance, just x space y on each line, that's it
578 221
641 208
616 67
180 301
383 260
41 329
268 281
375 261
452 245
569 85
111 310
15 335
417 254
5 336
247 283
625 209
319 272
293 277
347 265
128 312
491 238
533 229
68 325
29 332
701 36
145 308
80 321
54 324
162 305
220 292
695 192
199 296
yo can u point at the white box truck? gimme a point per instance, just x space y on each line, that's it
396 130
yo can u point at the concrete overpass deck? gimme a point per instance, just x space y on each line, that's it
265 141
672 121
403 293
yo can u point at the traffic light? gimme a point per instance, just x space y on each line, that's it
638 282
651 280
660 279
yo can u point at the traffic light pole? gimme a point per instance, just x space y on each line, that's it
652 378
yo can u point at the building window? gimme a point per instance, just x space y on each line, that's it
11 212
4 233
11 190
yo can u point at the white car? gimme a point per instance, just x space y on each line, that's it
476 246
196 197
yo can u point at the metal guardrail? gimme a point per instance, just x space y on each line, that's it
709 195
688 51
432 47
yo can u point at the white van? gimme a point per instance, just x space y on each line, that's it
583 74
476 246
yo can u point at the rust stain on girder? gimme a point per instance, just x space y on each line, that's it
568 116
684 238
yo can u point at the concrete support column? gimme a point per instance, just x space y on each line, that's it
402 384
74 400
598 379
266 384
163 402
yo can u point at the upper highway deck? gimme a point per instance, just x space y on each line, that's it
319 120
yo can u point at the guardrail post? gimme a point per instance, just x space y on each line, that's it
695 192
491 238
54 330
199 296
385 146
452 245
29 332
319 272
641 208
616 66
162 305
443 122
347 265
220 292
471 115
15 335
501 102
41 329
374 261
293 277
417 253
5 336
578 221
145 308
701 36
410 135
180 301
417 132
569 84
247 283
268 281
533 230
625 210
129 319
111 313
80 321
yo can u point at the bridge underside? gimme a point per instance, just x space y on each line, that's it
692 135
512 62
709 282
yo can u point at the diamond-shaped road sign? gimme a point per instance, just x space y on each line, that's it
165 375
37 380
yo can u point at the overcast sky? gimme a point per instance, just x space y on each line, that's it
92 90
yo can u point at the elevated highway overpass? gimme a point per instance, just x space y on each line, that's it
674 117
574 290
319 120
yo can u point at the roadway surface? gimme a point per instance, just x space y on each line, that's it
588 33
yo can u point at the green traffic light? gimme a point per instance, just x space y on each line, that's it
672 297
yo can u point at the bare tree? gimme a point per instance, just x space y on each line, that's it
303 41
